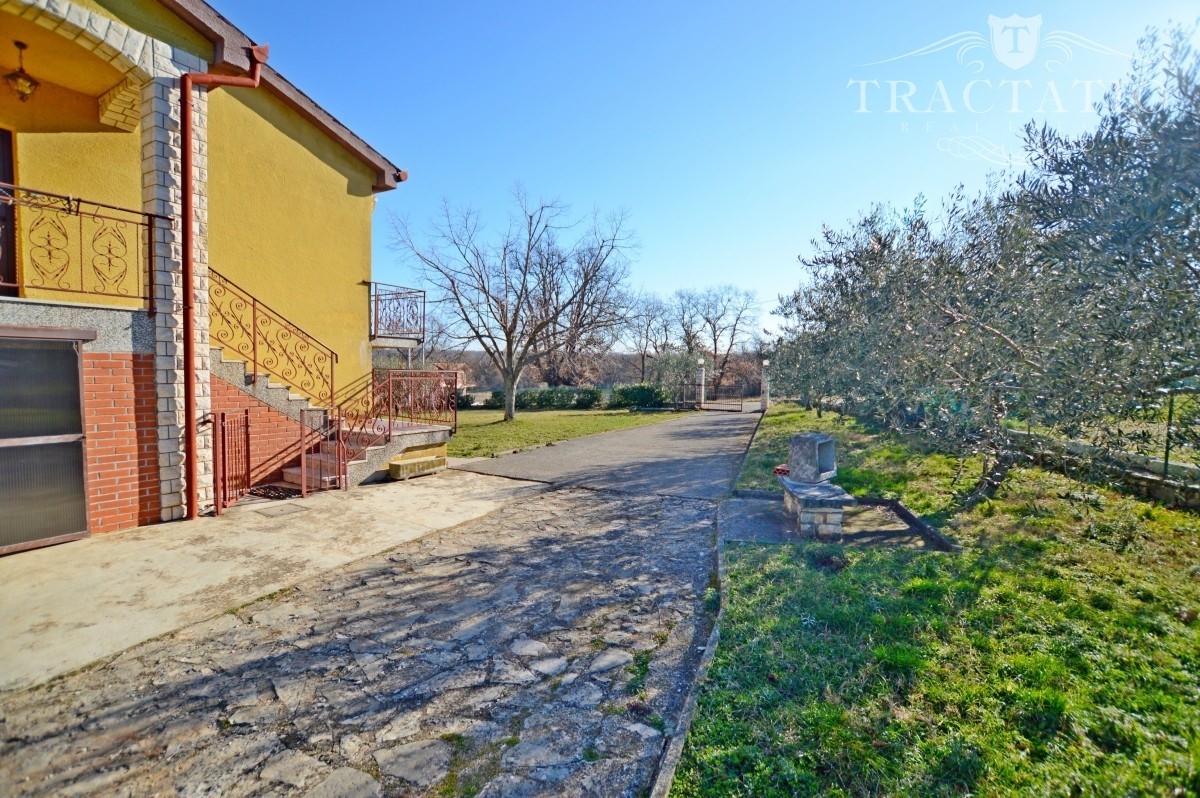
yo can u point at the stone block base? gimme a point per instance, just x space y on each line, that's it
812 522
816 508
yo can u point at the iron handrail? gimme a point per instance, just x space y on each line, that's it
269 341
387 398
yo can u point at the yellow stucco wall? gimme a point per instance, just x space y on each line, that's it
289 220
151 18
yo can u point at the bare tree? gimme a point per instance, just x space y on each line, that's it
726 317
685 309
523 293
648 332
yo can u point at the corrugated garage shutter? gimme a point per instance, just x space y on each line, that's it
43 494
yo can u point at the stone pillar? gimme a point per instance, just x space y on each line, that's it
161 193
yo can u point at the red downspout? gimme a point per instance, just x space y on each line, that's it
258 55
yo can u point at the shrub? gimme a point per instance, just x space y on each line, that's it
550 399
587 398
525 399
639 396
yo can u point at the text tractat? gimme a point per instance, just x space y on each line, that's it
978 96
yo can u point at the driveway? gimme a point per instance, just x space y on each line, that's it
696 457
65 606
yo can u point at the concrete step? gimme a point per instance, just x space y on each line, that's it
237 372
400 469
327 459
316 480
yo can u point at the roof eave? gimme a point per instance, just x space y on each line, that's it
231 50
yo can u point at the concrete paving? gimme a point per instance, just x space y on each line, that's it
66 606
695 457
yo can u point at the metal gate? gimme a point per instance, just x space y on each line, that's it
231 453
729 399
43 496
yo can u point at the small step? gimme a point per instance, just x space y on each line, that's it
315 478
327 460
417 467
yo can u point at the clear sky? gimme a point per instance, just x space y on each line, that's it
729 131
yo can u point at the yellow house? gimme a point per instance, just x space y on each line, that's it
186 304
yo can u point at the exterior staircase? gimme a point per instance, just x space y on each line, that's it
271 393
369 456
388 416
369 461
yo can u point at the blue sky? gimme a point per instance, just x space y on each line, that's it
730 132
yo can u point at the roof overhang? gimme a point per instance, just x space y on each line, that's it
231 52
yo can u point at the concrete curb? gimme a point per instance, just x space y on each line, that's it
745 454
665 776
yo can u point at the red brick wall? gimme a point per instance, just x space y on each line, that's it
274 438
120 421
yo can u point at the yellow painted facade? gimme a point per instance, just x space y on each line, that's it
153 20
289 220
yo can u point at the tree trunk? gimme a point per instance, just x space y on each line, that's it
993 477
510 397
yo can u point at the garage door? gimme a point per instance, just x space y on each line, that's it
43 495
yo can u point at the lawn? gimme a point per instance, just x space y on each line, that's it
1058 654
482 433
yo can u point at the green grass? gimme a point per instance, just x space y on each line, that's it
1056 655
482 433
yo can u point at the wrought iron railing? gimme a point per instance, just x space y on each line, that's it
231 458
370 413
397 312
268 341
321 450
76 246
418 397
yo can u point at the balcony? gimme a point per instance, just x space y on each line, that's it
397 316
63 248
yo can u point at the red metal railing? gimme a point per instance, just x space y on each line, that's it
369 414
322 463
397 312
76 246
268 341
231 458
419 397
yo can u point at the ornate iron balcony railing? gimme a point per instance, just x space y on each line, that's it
397 312
76 246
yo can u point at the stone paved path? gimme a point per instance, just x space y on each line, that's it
544 649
